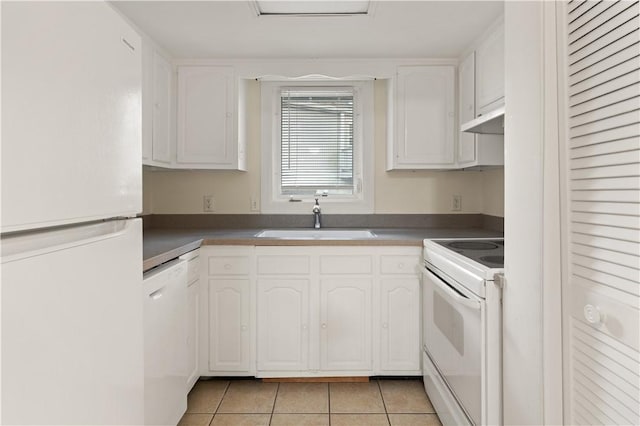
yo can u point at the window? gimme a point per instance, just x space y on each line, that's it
313 146
316 142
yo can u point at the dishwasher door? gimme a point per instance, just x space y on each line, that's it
165 347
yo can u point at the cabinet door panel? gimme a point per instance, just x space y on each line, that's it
193 332
466 80
425 115
161 141
283 317
345 329
400 339
205 105
490 69
229 324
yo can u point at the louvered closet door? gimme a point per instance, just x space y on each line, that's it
602 294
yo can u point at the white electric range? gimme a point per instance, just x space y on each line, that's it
462 329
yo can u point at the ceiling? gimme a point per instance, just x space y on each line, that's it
232 29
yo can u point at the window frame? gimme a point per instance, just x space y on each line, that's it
362 199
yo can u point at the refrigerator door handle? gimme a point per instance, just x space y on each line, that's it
23 245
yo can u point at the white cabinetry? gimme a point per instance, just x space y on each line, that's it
206 120
161 131
318 308
422 125
230 309
283 324
193 316
400 311
473 149
157 82
284 310
346 302
490 72
467 107
314 311
345 324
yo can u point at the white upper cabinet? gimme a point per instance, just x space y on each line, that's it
206 120
422 130
157 120
161 130
157 107
147 101
490 72
467 105
474 150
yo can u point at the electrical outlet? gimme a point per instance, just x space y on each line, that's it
456 203
255 205
208 203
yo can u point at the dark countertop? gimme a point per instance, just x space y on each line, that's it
162 245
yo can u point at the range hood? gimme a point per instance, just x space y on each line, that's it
491 123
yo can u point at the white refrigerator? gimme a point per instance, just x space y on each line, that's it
71 258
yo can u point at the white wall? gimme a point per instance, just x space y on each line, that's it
531 215
173 192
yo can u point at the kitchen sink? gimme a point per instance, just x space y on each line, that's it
317 234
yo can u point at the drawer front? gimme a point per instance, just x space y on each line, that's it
229 265
283 265
398 264
193 269
347 264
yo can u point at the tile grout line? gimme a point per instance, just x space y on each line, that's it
226 389
273 407
384 404
329 402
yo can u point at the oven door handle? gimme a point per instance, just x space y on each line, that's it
450 293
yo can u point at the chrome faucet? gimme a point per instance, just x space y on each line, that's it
316 215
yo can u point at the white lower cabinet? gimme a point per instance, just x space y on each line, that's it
193 316
310 311
230 311
400 311
229 304
400 325
283 324
345 324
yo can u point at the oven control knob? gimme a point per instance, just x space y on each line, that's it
592 314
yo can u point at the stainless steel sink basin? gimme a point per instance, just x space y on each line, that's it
317 234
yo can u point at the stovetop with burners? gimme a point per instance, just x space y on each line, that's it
489 253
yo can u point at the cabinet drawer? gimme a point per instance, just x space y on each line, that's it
284 265
228 265
398 264
193 269
345 264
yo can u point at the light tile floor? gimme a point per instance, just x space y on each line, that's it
251 402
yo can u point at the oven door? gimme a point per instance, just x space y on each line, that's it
453 334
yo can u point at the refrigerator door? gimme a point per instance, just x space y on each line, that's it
72 326
71 118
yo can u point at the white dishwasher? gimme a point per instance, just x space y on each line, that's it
165 355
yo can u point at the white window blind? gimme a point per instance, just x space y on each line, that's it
316 141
